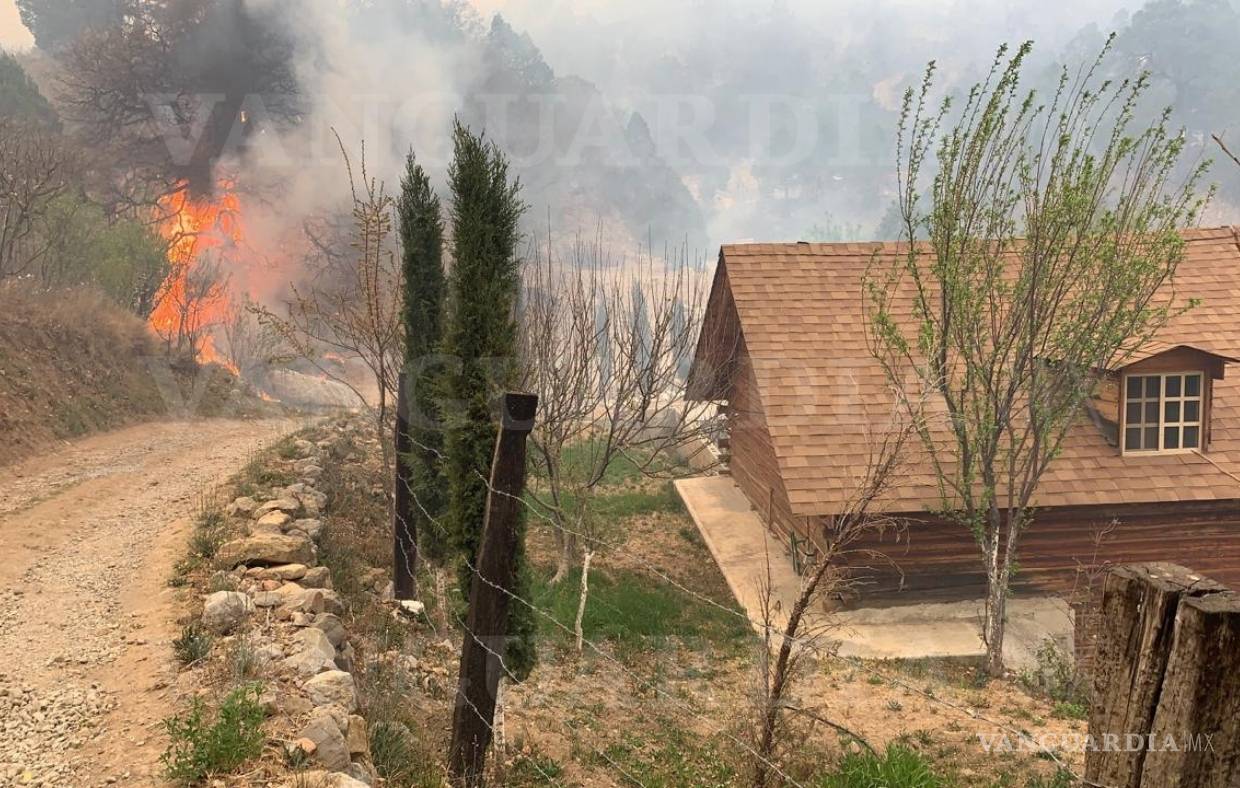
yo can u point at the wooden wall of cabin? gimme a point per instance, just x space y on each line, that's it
753 464
932 560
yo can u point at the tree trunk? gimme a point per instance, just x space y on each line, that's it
566 545
585 593
996 605
404 526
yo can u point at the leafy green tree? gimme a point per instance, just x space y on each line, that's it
482 337
1051 228
421 500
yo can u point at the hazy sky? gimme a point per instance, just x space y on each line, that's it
13 34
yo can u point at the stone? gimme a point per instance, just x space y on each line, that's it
344 657
312 528
412 607
315 601
330 748
304 448
289 505
332 626
224 611
312 653
244 505
272 521
358 776
332 687
267 549
267 599
287 572
317 577
358 741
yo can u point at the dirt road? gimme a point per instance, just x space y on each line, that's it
88 538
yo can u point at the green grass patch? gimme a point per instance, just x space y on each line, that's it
898 767
580 459
200 747
634 611
675 758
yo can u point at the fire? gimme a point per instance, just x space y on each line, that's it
203 235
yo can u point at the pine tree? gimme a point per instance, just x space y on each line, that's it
482 337
420 465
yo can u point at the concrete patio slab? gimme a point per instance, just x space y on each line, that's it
747 554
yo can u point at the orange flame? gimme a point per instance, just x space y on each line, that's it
191 302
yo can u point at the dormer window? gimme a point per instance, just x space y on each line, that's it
1163 412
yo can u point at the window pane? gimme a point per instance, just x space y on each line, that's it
1174 383
1151 413
1173 412
1192 411
1151 386
1132 438
1171 438
1191 435
1192 385
1133 415
1151 438
1134 387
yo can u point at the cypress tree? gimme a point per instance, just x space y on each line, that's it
482 337
419 465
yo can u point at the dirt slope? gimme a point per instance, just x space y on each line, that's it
90 535
71 364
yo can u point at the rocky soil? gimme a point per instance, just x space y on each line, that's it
90 535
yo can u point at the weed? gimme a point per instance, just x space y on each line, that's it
199 748
530 769
193 645
674 757
402 759
1067 710
875 679
242 661
899 767
1055 676
221 581
895 705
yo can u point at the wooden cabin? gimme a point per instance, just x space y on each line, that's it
1151 471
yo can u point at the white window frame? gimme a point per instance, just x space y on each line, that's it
1162 412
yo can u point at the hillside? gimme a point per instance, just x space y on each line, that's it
72 364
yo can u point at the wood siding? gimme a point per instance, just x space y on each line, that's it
936 560
753 464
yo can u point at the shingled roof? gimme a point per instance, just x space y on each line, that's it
800 313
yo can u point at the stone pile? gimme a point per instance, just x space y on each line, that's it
284 606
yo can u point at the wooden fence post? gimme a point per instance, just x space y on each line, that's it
1137 618
486 627
404 528
1195 738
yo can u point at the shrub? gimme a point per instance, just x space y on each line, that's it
899 767
199 748
400 759
193 645
1055 677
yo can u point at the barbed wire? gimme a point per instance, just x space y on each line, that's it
812 643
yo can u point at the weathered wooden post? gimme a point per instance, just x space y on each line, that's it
486 627
1137 618
404 528
1195 738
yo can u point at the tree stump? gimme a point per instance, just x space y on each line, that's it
1195 738
1137 617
